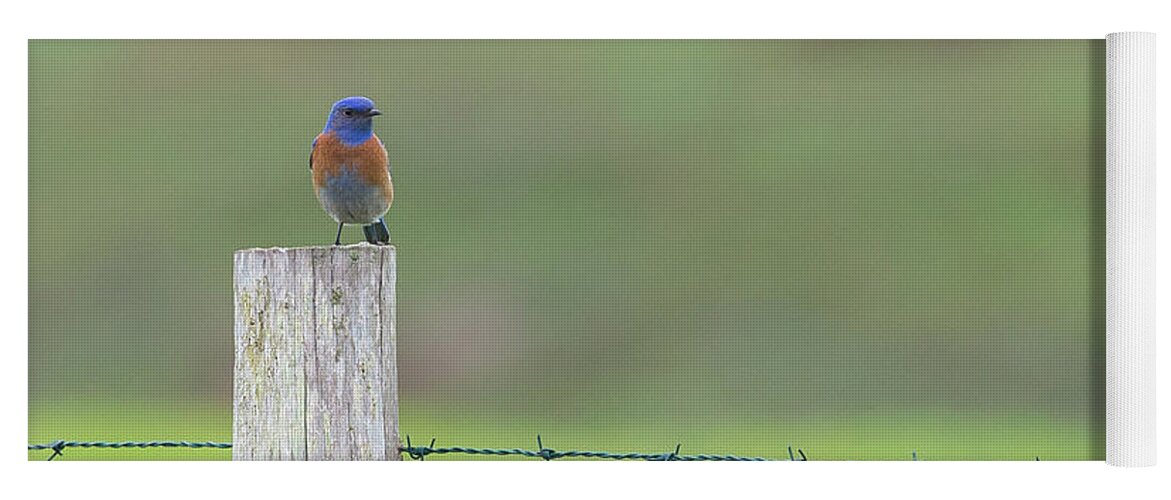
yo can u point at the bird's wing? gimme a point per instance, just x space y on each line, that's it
312 149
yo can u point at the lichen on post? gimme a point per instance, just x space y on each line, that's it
315 371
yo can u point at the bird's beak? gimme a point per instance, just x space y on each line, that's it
373 112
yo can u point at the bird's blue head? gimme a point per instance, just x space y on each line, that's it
352 119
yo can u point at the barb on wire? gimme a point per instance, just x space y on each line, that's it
674 455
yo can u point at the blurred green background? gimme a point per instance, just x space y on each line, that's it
861 248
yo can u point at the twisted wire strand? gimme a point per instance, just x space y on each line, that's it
420 452
59 446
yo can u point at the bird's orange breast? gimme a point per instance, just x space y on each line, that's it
368 160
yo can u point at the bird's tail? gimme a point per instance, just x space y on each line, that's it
377 233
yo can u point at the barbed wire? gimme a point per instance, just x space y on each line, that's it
59 446
421 452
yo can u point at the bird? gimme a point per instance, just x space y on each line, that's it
351 170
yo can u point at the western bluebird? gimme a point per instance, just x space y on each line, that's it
351 172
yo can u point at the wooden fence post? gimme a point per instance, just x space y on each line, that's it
315 371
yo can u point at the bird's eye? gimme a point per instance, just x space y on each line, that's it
348 112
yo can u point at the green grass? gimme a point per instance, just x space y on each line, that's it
875 435
102 421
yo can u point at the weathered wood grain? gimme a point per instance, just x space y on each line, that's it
315 370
